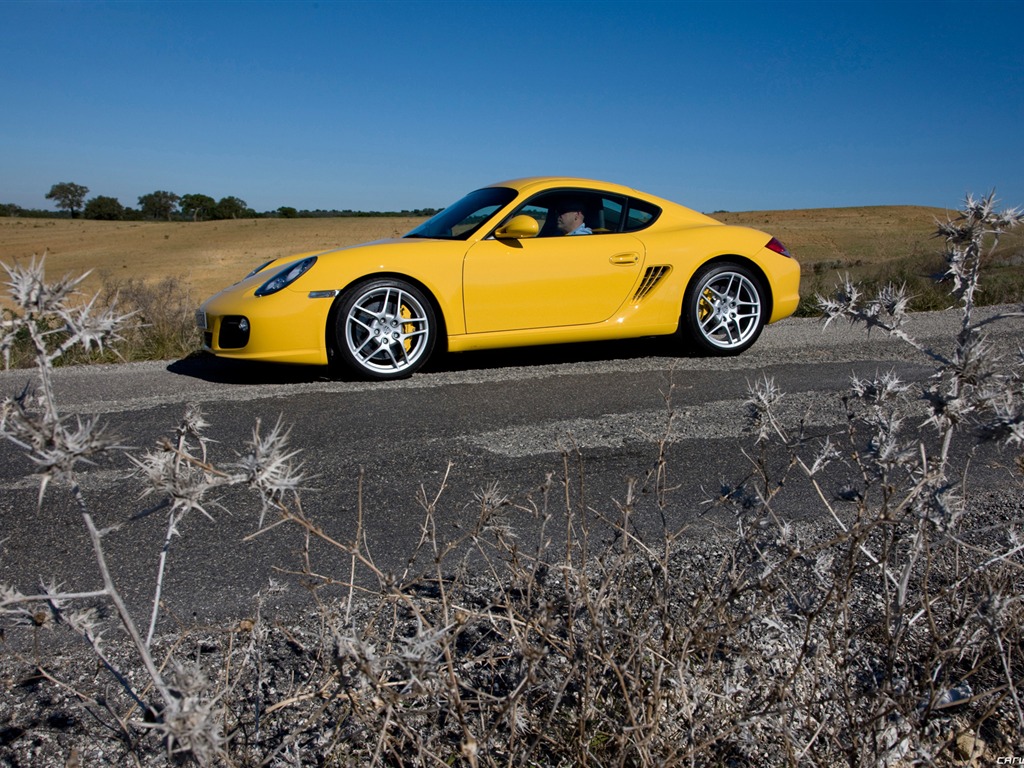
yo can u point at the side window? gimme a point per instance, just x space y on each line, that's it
538 212
640 215
541 208
546 207
603 213
610 216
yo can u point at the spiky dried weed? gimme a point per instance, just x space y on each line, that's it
890 635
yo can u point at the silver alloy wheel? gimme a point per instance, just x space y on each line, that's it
729 309
387 330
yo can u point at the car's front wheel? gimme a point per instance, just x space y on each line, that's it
724 309
385 329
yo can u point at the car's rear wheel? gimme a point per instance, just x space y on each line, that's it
385 329
724 309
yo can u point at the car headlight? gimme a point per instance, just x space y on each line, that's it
286 276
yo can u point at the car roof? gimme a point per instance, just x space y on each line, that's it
528 183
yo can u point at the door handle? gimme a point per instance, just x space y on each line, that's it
625 258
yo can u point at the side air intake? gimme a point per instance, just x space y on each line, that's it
652 277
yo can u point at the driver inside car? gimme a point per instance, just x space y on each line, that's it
570 219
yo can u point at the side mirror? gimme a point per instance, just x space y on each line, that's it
518 228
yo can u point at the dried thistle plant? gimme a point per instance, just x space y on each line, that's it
53 319
186 712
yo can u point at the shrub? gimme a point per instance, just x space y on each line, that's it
163 314
102 208
162 325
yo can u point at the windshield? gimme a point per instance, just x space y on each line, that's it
462 219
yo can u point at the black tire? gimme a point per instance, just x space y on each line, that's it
384 329
724 309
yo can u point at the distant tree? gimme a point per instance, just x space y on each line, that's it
69 196
10 209
231 208
197 207
159 204
104 209
287 212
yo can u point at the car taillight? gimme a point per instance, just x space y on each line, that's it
778 247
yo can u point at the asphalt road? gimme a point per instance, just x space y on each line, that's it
598 414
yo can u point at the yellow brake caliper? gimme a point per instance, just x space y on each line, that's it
407 328
704 306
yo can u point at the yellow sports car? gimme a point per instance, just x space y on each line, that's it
532 261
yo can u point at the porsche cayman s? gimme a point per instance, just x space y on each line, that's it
525 262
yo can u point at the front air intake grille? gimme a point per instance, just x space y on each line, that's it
652 277
234 332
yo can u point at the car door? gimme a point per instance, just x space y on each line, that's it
545 282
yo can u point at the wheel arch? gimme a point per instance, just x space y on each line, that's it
332 314
732 258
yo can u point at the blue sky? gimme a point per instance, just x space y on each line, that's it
391 105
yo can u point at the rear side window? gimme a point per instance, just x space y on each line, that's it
640 215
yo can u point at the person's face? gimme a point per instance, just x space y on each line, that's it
569 221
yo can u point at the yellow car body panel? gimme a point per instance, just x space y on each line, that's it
706 244
537 282
486 292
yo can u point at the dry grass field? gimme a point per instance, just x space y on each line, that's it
873 234
206 256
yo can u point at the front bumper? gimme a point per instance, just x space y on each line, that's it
286 327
